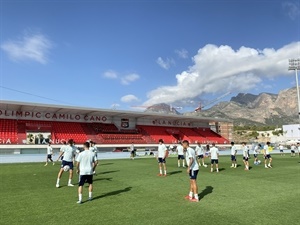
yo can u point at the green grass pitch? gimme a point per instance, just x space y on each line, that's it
130 192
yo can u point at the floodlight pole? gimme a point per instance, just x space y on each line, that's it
294 64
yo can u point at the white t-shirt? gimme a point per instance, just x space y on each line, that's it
69 152
298 148
266 148
245 151
62 148
281 147
199 150
190 153
49 150
255 150
233 150
86 160
214 151
293 147
131 147
180 150
162 150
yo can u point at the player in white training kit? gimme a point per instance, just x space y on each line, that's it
214 156
192 170
245 156
281 150
256 151
200 154
233 155
293 149
180 154
132 153
161 157
267 155
86 162
69 157
49 154
94 149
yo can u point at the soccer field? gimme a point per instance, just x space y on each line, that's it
130 192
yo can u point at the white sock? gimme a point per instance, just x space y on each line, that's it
165 172
80 197
191 194
265 165
196 196
232 165
247 167
70 181
178 164
57 181
183 165
217 169
211 169
160 171
90 194
269 164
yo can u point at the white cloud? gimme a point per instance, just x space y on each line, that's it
183 53
165 64
129 98
33 47
292 9
218 69
129 78
110 74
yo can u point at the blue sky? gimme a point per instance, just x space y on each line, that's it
126 53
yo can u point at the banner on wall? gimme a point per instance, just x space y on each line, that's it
37 138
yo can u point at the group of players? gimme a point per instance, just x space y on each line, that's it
86 163
194 158
190 158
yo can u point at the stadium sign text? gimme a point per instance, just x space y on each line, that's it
10 114
172 123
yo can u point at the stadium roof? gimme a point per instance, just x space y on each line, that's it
34 107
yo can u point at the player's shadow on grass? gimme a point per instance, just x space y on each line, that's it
106 172
175 172
107 178
208 190
221 169
113 193
105 164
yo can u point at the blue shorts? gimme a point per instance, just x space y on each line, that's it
268 156
65 163
161 160
245 159
200 156
216 161
193 174
85 178
180 157
255 155
233 158
49 156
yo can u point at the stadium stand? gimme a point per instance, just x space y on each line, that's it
8 130
16 131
